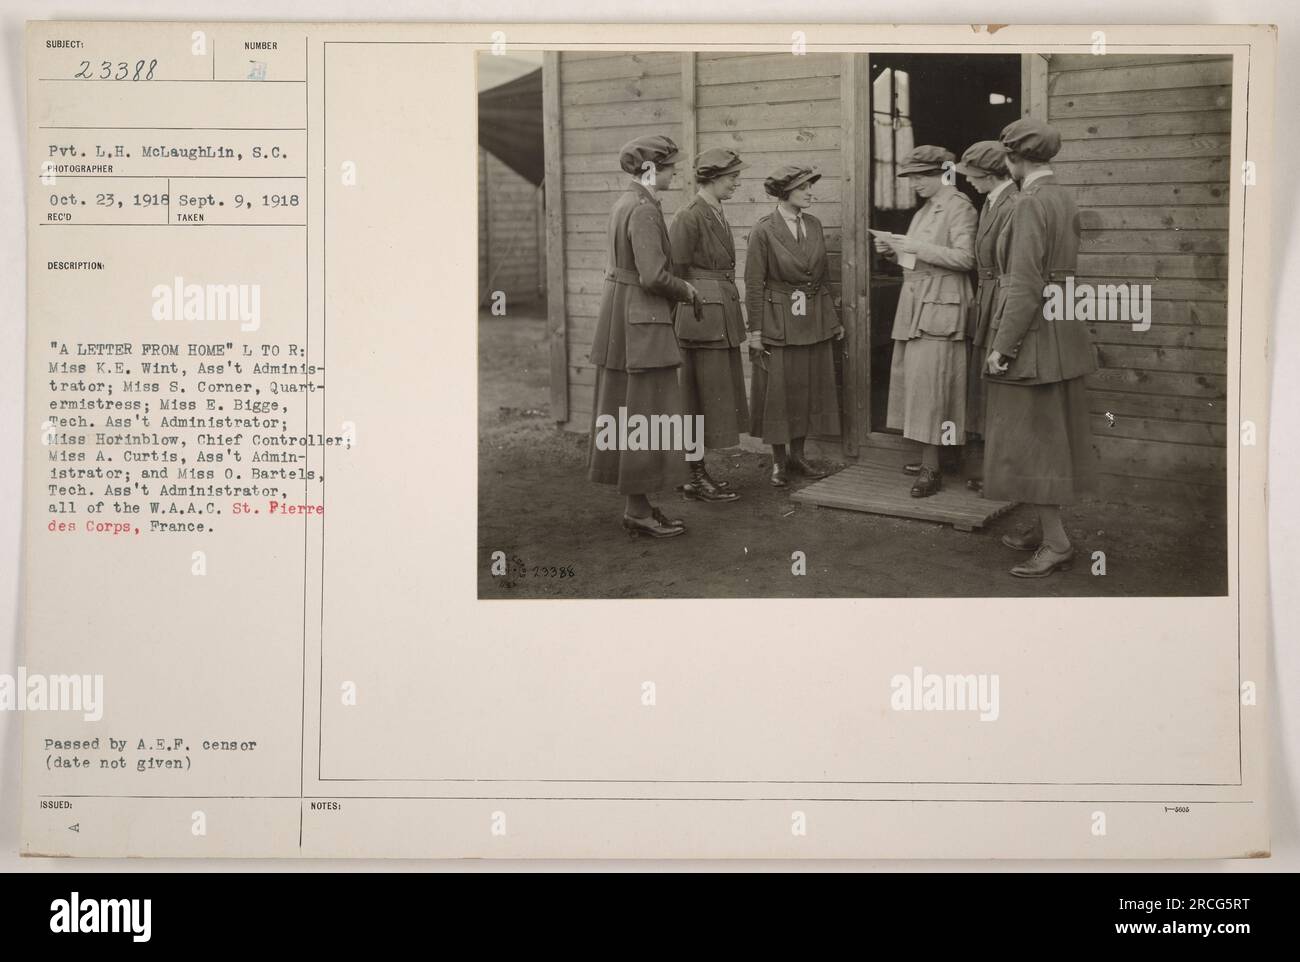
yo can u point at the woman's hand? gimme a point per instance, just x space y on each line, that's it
838 333
882 246
996 363
755 341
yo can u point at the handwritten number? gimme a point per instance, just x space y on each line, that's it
143 70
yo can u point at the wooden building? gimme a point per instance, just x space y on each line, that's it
1146 145
511 195
511 239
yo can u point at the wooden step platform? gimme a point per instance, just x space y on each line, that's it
877 489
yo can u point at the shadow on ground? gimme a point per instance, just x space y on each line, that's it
538 508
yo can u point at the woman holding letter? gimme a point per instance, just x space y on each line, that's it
792 320
1038 443
927 380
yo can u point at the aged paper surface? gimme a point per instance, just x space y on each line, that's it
250 257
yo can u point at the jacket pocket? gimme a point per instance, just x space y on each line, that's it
709 323
941 298
651 346
776 315
643 308
942 320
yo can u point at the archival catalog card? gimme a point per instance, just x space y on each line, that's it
646 441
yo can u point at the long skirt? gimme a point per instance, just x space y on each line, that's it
793 392
647 393
927 390
1038 442
713 385
976 393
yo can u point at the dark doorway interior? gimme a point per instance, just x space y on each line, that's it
951 100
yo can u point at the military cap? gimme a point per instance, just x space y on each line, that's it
983 157
718 162
926 159
785 179
1031 139
653 148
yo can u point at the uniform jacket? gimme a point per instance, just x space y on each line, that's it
704 253
776 266
992 220
936 297
1039 246
634 330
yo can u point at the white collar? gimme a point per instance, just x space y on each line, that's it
993 194
1040 172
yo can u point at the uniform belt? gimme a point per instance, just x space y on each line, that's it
791 288
621 275
699 273
1054 276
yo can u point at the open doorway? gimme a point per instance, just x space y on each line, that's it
951 100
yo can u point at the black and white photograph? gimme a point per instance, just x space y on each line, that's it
695 439
803 324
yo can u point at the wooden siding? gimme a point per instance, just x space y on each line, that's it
773 109
511 257
1145 148
1146 152
605 100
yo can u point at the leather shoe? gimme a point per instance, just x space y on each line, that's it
913 468
928 482
778 478
650 527
975 484
800 466
720 485
666 521
1023 541
702 488
1044 562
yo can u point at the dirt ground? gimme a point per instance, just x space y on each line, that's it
537 506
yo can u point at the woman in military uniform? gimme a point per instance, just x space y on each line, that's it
1038 439
792 321
711 332
984 164
635 350
927 380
